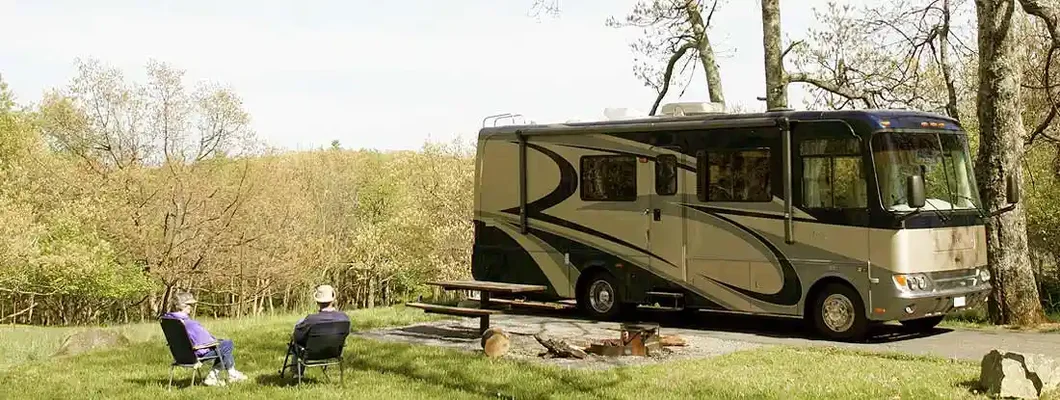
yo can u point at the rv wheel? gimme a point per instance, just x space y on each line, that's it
839 314
599 297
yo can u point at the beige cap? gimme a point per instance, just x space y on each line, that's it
184 298
324 294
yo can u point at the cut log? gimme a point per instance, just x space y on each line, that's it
560 348
495 342
673 340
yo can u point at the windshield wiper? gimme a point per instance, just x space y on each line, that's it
938 213
978 210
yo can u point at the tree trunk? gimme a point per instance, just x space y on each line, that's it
1014 299
286 296
371 291
706 56
706 50
776 88
32 305
944 60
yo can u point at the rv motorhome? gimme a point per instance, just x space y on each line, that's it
844 218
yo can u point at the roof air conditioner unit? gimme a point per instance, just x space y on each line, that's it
692 108
620 113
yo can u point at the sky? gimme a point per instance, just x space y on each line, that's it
381 75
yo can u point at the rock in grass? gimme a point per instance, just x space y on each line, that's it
1014 375
1044 371
91 339
495 342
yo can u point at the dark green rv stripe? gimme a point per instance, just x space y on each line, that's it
583 254
568 185
683 166
592 232
755 214
791 291
498 257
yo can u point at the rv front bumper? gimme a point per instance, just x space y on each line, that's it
890 303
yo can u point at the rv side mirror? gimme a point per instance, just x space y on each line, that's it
914 191
1012 191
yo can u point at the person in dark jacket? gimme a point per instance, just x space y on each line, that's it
326 312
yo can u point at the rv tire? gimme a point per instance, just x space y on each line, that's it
599 297
839 314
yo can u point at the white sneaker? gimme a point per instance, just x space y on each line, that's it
212 379
236 376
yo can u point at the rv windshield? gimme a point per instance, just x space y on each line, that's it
940 158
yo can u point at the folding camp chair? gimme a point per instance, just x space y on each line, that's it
323 347
183 351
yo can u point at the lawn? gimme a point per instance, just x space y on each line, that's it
399 371
977 318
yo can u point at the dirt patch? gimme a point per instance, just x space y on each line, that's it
462 334
89 340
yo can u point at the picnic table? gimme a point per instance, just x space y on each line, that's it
485 289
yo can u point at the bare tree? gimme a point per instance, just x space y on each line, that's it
159 141
898 54
674 32
545 7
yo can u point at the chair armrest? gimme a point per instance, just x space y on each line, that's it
206 346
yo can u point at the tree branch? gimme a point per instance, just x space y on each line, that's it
668 75
791 47
26 310
710 15
1050 14
16 291
830 87
1042 126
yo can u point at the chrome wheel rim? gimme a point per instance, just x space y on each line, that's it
838 313
601 296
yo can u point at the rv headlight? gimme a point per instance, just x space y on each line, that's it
911 282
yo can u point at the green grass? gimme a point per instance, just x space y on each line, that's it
400 371
977 318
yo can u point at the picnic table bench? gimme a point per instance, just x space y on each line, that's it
485 289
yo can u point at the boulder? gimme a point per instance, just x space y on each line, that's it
495 342
90 339
1012 375
1044 370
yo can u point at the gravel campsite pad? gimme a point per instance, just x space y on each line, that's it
463 334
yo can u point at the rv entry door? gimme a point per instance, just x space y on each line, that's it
666 222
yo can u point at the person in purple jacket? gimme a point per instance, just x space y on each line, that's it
182 308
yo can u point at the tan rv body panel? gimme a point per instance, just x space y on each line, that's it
717 250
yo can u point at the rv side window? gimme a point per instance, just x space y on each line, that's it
734 175
666 175
831 174
609 178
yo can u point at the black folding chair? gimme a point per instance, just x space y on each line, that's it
183 351
323 347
